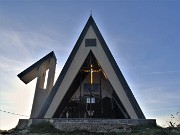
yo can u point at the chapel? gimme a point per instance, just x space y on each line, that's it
90 85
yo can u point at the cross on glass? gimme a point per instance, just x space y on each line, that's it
91 71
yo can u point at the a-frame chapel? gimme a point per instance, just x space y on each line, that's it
90 84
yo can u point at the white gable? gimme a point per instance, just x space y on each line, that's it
76 64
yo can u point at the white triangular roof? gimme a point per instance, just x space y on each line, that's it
73 65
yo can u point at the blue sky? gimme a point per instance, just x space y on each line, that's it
143 36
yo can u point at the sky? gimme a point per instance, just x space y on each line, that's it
143 36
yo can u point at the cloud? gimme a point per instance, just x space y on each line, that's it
159 72
157 101
26 43
12 46
8 64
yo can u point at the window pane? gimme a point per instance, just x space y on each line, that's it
90 100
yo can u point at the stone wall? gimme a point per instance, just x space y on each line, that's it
92 125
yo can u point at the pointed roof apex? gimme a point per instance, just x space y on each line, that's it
91 17
90 20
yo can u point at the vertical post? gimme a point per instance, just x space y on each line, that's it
90 101
50 80
39 92
41 77
90 84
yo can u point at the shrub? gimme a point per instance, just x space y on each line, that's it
45 127
175 120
